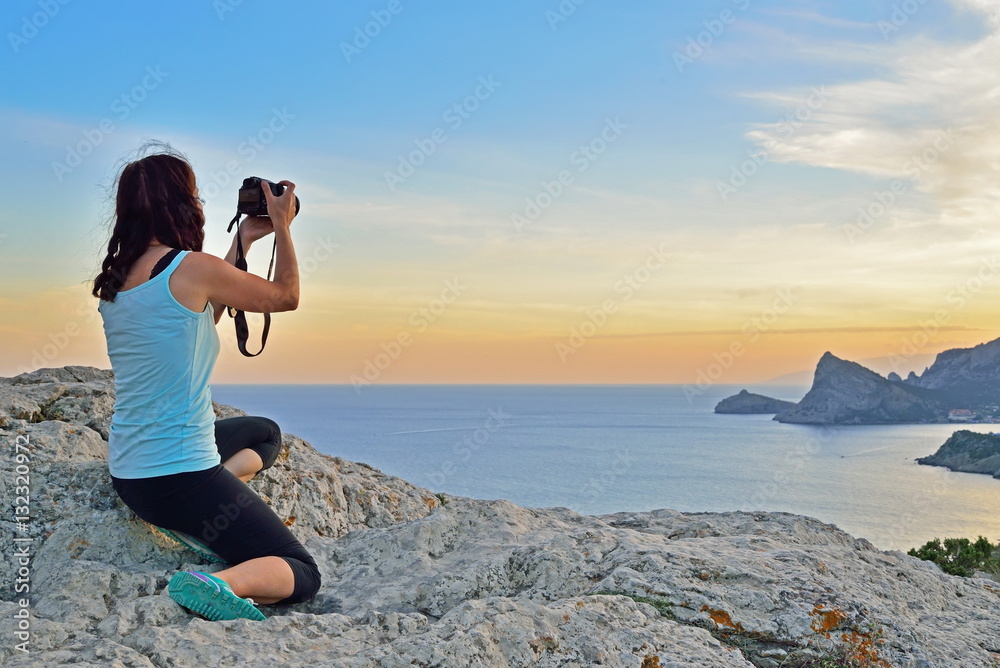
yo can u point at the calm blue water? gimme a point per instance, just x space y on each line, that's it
600 449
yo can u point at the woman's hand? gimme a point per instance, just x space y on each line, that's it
255 227
280 209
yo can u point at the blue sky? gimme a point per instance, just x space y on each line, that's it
208 77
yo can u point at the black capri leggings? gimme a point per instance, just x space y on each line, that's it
219 509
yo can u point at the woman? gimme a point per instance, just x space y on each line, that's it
170 461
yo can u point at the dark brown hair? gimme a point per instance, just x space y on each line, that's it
155 199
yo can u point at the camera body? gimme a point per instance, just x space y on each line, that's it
251 198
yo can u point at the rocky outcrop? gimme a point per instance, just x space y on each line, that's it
970 376
845 392
747 403
411 578
968 452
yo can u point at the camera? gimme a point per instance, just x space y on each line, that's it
251 198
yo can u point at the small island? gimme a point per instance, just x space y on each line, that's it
748 403
968 452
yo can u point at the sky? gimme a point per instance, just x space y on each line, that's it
528 192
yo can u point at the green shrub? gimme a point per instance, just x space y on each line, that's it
960 556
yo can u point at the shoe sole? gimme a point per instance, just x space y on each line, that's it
208 600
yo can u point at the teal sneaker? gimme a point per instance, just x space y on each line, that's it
210 597
190 543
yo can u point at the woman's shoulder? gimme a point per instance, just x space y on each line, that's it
201 266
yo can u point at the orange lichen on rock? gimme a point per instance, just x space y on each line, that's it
825 620
722 618
544 644
650 661
76 547
862 650
290 521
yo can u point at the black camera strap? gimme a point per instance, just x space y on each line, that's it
238 316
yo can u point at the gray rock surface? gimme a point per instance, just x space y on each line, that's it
411 581
746 403
845 392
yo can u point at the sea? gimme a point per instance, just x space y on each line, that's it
600 449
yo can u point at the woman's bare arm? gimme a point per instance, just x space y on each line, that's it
225 285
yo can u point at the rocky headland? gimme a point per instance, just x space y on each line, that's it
414 578
968 452
845 392
748 403
969 377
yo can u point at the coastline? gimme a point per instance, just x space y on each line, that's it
646 453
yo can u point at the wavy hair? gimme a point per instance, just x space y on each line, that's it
154 200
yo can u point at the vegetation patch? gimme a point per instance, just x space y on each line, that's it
960 556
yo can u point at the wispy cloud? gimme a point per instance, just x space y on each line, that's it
930 121
814 16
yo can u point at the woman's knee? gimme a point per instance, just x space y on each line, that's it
307 579
270 446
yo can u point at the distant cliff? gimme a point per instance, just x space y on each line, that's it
969 452
845 392
969 376
746 403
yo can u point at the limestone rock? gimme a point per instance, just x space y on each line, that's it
408 581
